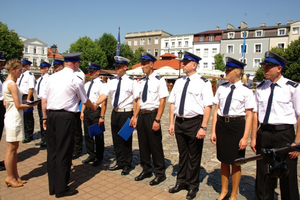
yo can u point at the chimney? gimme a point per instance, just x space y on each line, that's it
217 28
262 25
229 26
289 22
243 25
278 24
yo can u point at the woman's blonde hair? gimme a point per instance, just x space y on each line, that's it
243 76
13 64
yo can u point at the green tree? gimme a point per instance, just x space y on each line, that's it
219 62
108 43
91 52
10 43
137 55
292 54
127 52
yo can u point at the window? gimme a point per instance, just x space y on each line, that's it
201 39
205 65
155 52
149 51
245 51
258 33
26 49
186 43
149 41
179 43
142 41
34 50
34 63
156 40
205 53
230 49
43 51
256 62
211 38
231 35
281 31
198 52
244 33
135 42
245 60
296 31
129 42
257 48
280 45
173 44
214 52
213 66
167 44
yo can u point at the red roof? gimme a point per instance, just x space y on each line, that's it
209 32
168 59
57 55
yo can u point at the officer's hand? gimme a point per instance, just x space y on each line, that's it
171 129
155 126
44 124
101 121
253 145
213 138
243 144
293 154
201 134
133 121
81 116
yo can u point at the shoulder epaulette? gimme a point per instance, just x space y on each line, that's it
30 73
224 83
112 77
102 81
246 86
158 77
260 84
204 79
292 83
143 78
131 78
80 78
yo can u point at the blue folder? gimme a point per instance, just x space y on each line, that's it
126 131
95 129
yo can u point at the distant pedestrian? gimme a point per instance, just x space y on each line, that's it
221 81
249 81
2 107
58 65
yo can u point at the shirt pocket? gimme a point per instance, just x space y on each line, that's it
194 93
237 103
284 104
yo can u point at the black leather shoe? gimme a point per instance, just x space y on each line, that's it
157 180
115 167
177 188
27 140
43 144
126 170
89 159
97 163
2 168
66 193
191 194
2 163
142 176
75 156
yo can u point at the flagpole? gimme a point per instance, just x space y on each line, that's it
118 45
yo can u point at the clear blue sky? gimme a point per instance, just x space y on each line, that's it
63 22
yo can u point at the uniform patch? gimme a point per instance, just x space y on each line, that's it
102 81
292 83
158 77
261 84
204 79
131 78
80 78
30 73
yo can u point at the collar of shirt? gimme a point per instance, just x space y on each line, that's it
237 84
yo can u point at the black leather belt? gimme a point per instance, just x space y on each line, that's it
87 108
270 127
187 119
230 119
144 111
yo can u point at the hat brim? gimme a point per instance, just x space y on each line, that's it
265 62
145 60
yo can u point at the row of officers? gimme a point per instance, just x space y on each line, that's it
272 112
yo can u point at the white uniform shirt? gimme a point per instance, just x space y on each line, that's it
285 107
99 87
128 91
63 91
198 95
27 82
242 98
157 89
43 85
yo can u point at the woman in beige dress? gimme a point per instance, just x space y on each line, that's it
13 122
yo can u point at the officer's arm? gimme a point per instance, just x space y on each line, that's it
44 110
254 131
102 98
30 93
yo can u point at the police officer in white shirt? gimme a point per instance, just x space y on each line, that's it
60 103
40 87
2 107
26 83
276 112
191 101
58 65
150 105
94 88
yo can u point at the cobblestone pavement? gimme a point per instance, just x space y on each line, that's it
99 183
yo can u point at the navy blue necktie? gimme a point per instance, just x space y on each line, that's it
21 79
117 95
145 91
182 100
38 88
90 87
228 101
268 111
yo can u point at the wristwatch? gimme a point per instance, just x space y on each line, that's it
102 117
157 120
204 128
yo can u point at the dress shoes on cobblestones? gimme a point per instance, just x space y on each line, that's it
89 159
41 144
75 156
142 176
66 193
27 140
126 170
157 180
191 194
177 188
2 166
97 163
115 167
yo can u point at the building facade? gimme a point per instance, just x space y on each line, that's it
176 43
149 40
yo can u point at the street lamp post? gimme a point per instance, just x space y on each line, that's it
53 49
180 53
